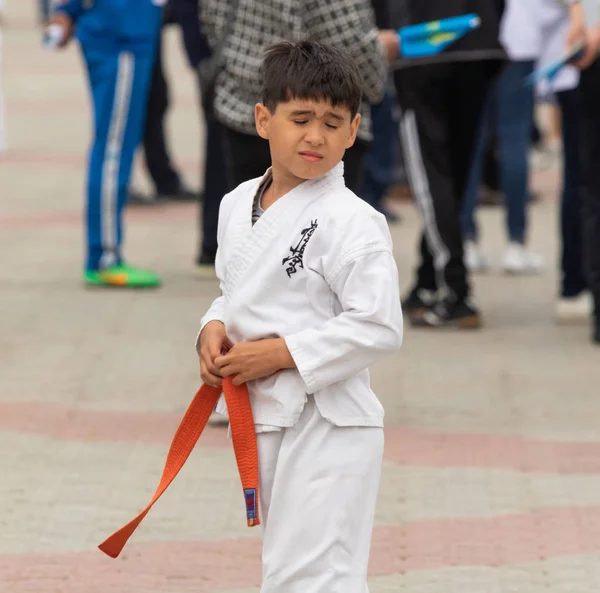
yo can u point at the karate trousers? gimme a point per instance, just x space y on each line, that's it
119 82
318 492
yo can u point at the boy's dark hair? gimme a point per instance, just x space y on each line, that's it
310 70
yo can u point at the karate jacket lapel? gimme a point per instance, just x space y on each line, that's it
251 242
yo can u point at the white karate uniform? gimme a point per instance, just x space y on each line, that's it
316 269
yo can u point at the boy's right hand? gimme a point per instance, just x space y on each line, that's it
213 343
65 22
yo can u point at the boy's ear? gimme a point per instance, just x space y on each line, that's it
353 131
262 116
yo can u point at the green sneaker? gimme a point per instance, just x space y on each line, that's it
122 276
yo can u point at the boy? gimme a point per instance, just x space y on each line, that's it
118 39
309 300
585 27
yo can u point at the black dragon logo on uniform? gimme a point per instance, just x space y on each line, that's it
295 260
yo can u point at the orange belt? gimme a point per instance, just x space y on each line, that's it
243 435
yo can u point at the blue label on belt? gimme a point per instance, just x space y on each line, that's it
250 497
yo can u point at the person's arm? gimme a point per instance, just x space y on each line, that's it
369 326
351 25
585 29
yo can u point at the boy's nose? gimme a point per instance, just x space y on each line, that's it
315 136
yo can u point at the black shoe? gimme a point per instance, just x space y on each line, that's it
451 313
137 198
180 193
417 303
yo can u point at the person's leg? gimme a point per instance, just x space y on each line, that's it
590 149
515 121
379 162
318 492
215 187
106 85
158 162
439 126
247 156
119 83
469 226
423 125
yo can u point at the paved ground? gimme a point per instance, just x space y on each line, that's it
492 471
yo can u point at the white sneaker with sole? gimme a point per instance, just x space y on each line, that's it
576 309
520 260
475 260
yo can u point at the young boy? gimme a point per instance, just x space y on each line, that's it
118 39
309 301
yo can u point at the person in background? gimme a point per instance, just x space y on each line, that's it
187 14
441 105
509 109
168 183
118 42
585 28
347 24
380 160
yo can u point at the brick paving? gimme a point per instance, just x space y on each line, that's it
491 480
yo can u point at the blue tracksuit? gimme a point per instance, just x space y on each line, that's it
118 39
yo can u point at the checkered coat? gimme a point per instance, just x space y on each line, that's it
349 24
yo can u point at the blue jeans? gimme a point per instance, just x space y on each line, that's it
380 160
510 108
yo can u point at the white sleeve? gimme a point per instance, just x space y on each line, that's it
369 326
216 311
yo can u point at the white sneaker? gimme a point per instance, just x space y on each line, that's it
519 260
475 260
574 309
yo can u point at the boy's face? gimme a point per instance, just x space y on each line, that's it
308 138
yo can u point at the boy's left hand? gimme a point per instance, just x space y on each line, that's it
247 361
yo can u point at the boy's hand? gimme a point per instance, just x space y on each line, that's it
213 343
247 361
64 21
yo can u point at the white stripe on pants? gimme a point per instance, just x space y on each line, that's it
112 157
419 183
318 492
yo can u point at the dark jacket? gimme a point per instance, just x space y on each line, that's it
481 44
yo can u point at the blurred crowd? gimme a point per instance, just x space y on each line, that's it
459 129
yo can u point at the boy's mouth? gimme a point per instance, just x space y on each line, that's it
311 157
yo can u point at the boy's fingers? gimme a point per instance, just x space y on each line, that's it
211 380
209 366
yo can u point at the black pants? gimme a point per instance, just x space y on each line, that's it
440 111
158 162
248 156
589 88
573 280
215 186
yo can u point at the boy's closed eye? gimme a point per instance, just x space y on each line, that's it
305 121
